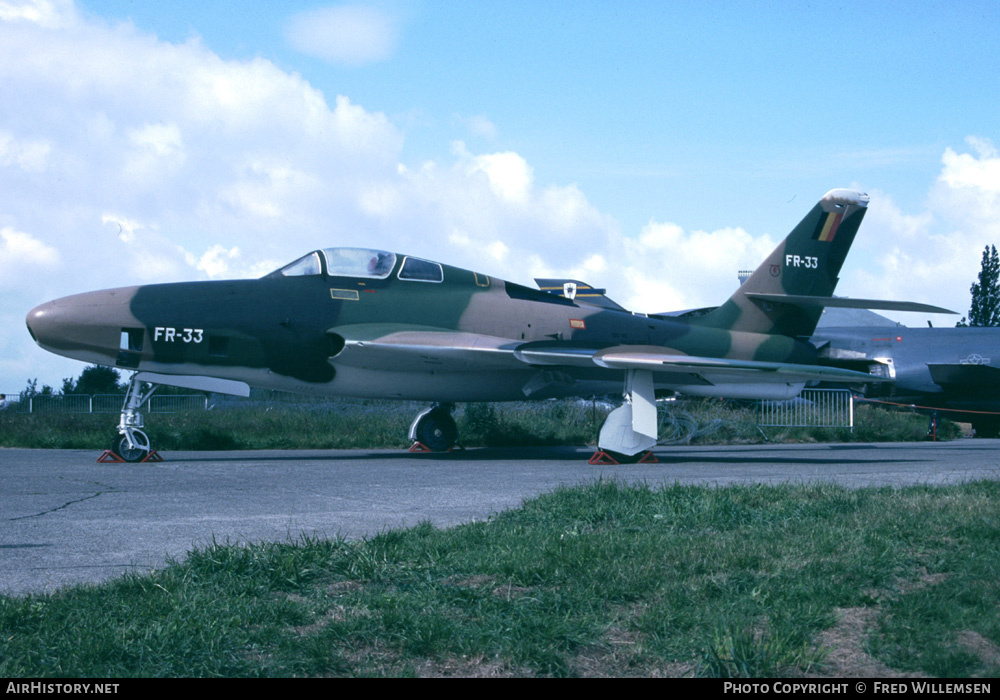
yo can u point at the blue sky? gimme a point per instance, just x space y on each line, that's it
652 148
641 103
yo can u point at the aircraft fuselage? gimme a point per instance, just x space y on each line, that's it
946 368
297 333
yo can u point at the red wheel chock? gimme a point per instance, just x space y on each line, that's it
110 457
603 458
421 447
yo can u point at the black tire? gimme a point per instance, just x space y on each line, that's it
437 431
119 446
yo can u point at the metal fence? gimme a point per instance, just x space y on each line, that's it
813 408
102 403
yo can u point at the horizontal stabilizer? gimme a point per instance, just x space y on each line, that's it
845 303
982 376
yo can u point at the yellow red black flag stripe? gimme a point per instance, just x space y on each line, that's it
828 226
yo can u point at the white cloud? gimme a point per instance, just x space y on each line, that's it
969 184
499 250
509 174
51 14
215 261
347 34
934 255
22 255
125 228
27 154
964 170
162 140
668 269
157 152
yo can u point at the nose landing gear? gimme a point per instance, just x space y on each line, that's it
131 444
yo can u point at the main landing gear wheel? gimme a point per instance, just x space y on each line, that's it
435 429
137 452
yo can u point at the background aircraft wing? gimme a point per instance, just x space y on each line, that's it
953 375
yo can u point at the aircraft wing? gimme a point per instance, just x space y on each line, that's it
952 375
407 348
659 361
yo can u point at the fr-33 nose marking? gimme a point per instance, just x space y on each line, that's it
178 335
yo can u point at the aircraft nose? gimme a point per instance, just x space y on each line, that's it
83 326
40 322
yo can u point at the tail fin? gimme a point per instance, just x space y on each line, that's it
806 264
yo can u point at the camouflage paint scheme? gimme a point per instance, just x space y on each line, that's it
453 340
426 331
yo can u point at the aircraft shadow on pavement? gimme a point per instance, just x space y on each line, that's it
579 455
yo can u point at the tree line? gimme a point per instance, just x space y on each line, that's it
985 309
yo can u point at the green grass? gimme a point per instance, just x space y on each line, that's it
385 424
603 580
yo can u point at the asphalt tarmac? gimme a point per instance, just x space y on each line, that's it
67 519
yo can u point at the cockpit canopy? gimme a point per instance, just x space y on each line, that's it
365 263
341 262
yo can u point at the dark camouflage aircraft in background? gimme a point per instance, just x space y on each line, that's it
950 371
371 323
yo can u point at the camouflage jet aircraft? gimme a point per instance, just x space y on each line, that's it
372 323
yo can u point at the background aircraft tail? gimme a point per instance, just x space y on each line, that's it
805 265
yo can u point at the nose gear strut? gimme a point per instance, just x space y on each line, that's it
131 444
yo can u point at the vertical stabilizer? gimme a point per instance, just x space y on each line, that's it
806 263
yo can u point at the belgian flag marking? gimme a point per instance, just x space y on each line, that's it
828 226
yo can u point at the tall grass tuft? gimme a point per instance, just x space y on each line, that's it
746 653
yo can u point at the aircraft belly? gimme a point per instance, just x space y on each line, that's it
431 386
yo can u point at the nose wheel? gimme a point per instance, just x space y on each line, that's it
132 447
